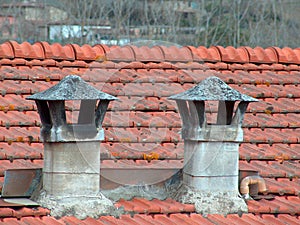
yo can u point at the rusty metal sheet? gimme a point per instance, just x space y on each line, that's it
20 182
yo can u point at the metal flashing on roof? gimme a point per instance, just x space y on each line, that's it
15 202
212 89
71 87
20 182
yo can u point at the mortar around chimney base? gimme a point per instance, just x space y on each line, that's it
212 202
79 206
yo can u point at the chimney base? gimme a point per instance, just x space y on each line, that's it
78 206
207 202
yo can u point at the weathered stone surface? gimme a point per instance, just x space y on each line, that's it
72 168
210 202
78 206
211 159
213 133
213 89
71 88
72 133
211 183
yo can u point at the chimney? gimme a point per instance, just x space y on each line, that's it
211 150
71 173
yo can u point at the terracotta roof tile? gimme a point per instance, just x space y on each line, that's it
21 151
15 118
272 220
279 152
220 219
10 102
108 220
260 55
100 50
144 219
19 163
6 212
176 54
6 50
287 169
36 221
128 220
203 54
144 125
124 54
159 219
92 221
85 52
27 51
231 54
58 52
70 220
286 55
140 150
288 219
278 205
283 186
20 212
147 54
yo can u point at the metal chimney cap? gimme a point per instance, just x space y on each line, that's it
71 87
212 89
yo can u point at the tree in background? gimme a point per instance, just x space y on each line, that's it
203 22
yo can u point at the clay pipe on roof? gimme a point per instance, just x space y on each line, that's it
249 180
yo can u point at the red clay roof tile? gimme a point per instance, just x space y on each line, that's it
286 55
147 54
203 54
260 55
145 121
6 212
71 220
6 51
85 52
123 54
100 51
231 54
27 51
108 220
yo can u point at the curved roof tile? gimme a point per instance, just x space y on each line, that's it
118 53
231 54
147 54
260 55
100 51
17 48
6 51
203 54
85 52
27 51
39 50
287 55
175 54
57 51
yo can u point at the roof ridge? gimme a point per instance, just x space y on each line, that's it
129 53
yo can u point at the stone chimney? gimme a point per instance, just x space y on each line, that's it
211 151
71 173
